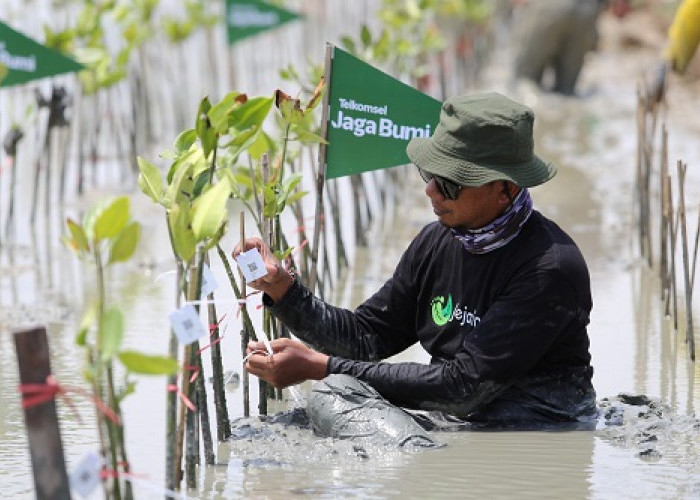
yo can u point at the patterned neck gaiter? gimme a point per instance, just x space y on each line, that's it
500 231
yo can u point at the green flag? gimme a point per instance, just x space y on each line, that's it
371 117
246 18
27 60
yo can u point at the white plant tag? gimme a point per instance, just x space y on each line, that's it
251 265
186 324
209 283
86 476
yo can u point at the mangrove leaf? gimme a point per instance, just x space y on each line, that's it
181 231
184 140
145 364
251 114
150 181
125 243
112 219
210 210
78 241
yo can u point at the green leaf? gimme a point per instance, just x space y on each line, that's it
270 201
125 243
185 140
252 113
365 36
205 131
243 141
348 44
214 240
306 137
79 241
112 327
181 231
201 182
146 364
182 185
85 324
112 219
262 145
150 181
219 113
296 196
291 182
210 210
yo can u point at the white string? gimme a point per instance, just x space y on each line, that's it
207 302
161 275
156 488
295 394
267 343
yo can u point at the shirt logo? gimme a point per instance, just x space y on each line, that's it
442 313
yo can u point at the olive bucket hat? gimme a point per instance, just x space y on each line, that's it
482 138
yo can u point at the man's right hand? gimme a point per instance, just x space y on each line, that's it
277 280
292 362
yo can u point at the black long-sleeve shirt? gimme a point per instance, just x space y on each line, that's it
506 328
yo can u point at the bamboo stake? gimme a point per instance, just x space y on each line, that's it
689 334
223 426
268 239
172 466
321 174
10 145
245 333
665 209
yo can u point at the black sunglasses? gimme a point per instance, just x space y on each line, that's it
448 189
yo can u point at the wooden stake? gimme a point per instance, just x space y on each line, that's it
48 464
245 334
689 335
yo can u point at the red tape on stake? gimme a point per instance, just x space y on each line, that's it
212 329
183 397
37 394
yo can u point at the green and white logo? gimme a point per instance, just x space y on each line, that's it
25 60
371 117
442 312
245 18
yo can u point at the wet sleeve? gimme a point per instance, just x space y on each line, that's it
381 327
511 339
684 35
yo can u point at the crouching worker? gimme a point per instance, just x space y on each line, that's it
495 292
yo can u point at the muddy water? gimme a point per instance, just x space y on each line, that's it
634 348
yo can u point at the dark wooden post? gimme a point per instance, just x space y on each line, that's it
48 464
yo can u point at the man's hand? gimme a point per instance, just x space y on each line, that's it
291 363
277 280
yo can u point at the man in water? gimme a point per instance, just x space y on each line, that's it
495 292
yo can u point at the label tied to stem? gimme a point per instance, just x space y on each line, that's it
186 324
209 283
86 476
252 265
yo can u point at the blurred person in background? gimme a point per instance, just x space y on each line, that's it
556 35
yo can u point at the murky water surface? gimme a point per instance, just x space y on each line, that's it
634 348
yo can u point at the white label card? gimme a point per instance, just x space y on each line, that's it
186 324
252 265
209 283
86 476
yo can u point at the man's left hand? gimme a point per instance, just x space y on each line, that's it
291 362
